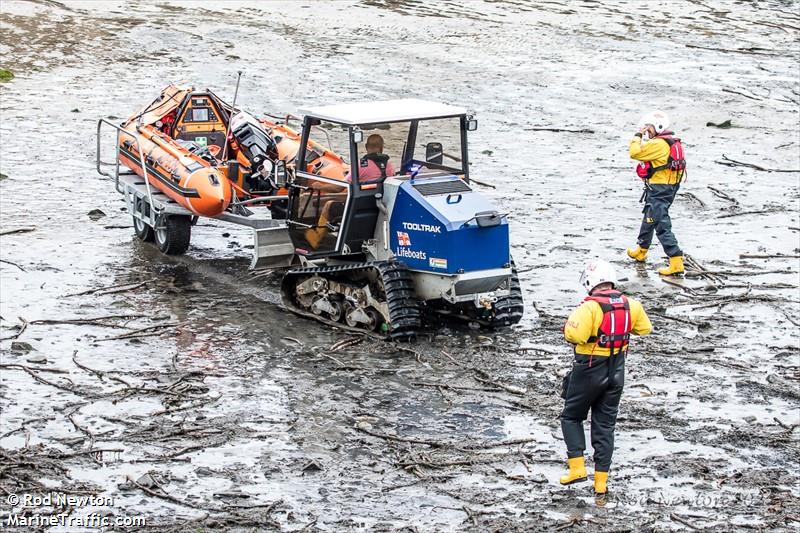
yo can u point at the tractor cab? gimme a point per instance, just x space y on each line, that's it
347 152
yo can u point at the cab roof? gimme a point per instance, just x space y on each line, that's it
381 111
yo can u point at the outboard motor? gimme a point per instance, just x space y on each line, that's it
258 147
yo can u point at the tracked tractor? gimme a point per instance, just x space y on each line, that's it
371 214
383 254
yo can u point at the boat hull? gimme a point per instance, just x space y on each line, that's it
187 179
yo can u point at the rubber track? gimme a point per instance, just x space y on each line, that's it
509 309
405 316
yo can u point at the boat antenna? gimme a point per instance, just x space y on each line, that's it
230 118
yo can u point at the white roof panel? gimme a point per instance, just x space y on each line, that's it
381 111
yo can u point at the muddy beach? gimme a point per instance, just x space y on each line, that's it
179 391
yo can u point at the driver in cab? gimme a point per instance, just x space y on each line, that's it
374 165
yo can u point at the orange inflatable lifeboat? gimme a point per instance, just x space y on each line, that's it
183 167
178 143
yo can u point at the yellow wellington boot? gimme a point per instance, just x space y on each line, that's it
314 236
675 266
600 481
638 254
577 471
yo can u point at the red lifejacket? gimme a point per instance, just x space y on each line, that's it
676 161
615 329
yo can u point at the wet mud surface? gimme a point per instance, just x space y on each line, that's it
183 390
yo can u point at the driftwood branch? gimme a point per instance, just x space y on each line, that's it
697 268
483 377
756 212
13 264
728 162
683 521
165 496
564 130
43 370
94 321
752 50
694 198
670 281
697 274
751 97
446 386
723 195
440 444
789 318
111 289
192 405
396 438
769 256
681 320
23 325
39 378
97 373
16 230
148 331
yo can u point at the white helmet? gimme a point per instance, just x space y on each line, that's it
596 272
658 119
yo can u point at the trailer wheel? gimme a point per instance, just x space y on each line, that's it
142 230
173 233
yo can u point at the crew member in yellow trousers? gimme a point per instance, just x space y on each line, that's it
662 165
600 329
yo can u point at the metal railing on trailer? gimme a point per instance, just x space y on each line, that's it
272 246
143 201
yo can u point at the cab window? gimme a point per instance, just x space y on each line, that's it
328 154
317 213
381 152
438 146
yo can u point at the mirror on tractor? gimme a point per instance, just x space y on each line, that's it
434 153
358 135
472 124
280 173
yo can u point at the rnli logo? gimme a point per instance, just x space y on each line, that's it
403 239
422 227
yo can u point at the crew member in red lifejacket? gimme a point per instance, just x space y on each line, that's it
374 165
662 167
600 329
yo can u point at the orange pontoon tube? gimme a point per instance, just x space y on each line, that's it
183 170
175 171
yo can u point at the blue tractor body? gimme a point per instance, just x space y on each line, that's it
397 235
433 231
